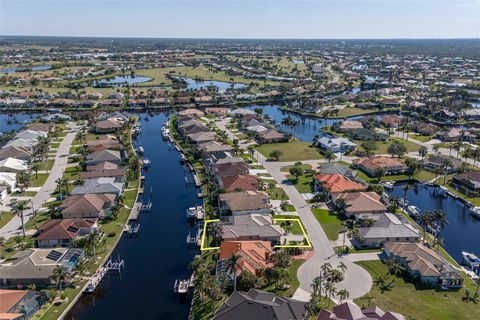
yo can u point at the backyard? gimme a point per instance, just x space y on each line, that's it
329 221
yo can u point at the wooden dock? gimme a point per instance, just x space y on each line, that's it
135 212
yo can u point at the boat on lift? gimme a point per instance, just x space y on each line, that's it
388 185
470 260
413 211
195 212
181 286
475 211
146 163
140 150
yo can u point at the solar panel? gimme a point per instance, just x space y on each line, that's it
54 255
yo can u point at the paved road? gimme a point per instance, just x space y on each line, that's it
13 227
357 280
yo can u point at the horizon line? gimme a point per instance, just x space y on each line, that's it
235 38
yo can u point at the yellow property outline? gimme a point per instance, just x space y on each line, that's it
203 235
308 245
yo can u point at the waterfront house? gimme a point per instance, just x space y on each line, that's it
366 134
270 136
239 183
350 311
241 112
228 169
200 137
31 135
361 204
40 127
257 129
20 304
13 165
337 183
391 120
107 126
35 266
440 162
113 156
251 227
335 144
254 256
23 144
349 125
388 228
191 112
15 152
244 202
217 111
87 206
425 263
390 166
468 183
105 165
63 232
119 174
192 126
104 185
256 304
336 168
425 129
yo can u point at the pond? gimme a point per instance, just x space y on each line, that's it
159 255
306 128
34 68
462 233
221 85
120 81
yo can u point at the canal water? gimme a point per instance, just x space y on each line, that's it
119 81
221 85
462 233
16 121
306 128
25 69
160 255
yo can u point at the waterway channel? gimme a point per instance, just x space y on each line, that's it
159 255
462 233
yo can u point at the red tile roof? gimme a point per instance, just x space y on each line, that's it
339 183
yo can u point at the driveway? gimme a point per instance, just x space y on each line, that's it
14 226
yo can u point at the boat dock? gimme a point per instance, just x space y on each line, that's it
111 266
135 212
181 286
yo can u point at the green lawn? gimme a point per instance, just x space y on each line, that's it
48 165
292 151
303 183
421 175
292 226
419 137
5 217
276 193
293 281
330 223
38 180
428 304
54 145
383 146
350 112
72 173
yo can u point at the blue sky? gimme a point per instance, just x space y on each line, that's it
318 19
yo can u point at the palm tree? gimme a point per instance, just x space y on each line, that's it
476 281
408 186
425 220
232 267
440 219
18 208
60 275
35 167
343 294
217 231
329 156
423 151
92 240
81 267
2 243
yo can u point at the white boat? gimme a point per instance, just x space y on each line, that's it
388 185
195 212
475 211
413 210
140 150
146 163
470 260
165 133
181 286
